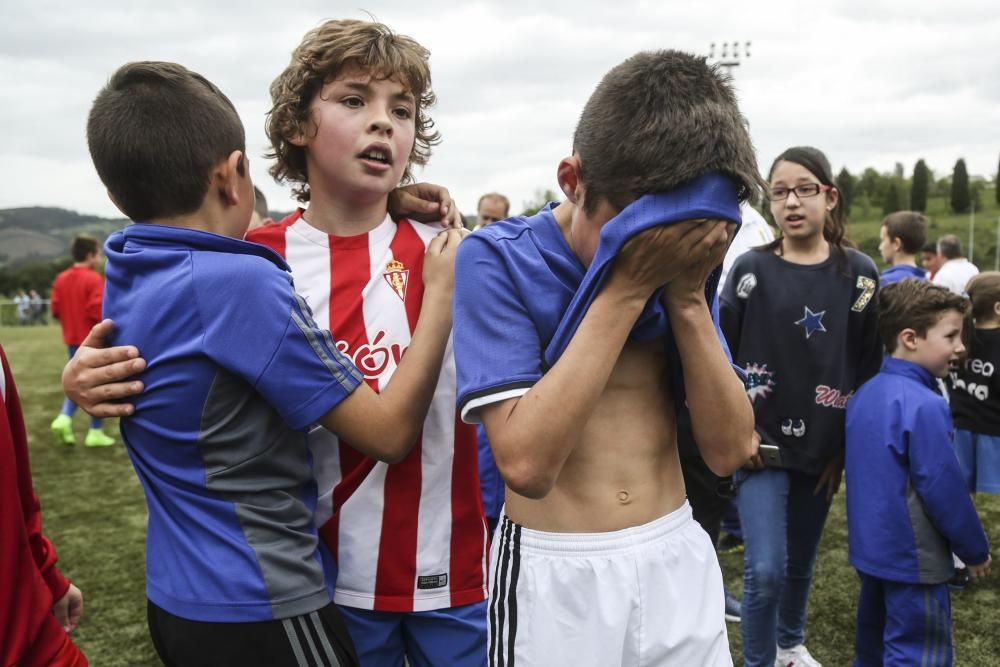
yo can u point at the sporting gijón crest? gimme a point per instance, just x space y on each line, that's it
398 276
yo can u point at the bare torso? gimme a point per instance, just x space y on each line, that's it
624 471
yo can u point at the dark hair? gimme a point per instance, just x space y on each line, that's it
949 246
914 304
984 293
910 227
155 132
259 202
930 246
318 59
657 121
815 162
83 246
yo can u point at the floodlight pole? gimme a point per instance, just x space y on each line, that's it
729 57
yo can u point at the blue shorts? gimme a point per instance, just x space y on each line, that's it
455 636
979 456
902 624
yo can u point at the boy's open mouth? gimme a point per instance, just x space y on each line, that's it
376 155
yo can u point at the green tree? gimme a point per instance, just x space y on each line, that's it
875 185
961 200
918 194
892 201
998 183
845 183
540 199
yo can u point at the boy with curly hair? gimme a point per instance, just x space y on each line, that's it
349 121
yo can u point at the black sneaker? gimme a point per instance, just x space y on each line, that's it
959 580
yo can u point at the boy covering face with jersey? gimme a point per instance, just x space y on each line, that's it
599 328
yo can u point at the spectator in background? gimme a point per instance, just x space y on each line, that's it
956 270
901 237
931 259
37 308
23 304
76 303
38 605
492 207
260 215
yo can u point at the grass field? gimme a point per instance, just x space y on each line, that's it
95 514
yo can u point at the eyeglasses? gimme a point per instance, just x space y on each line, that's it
801 191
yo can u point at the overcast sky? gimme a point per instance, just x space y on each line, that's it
870 82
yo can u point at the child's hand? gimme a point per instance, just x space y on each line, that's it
69 608
425 202
665 253
97 375
982 570
692 280
439 262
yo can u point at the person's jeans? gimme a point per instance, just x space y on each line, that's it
782 523
68 406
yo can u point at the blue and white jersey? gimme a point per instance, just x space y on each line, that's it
908 507
237 371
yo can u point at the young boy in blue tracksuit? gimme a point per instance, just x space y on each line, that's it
907 505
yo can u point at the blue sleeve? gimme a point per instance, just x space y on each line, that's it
937 479
497 348
258 328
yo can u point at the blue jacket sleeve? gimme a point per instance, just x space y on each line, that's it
937 479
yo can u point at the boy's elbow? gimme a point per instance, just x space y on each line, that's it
527 480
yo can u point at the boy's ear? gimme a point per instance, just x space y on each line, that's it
229 175
569 174
907 338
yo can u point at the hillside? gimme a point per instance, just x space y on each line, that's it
44 233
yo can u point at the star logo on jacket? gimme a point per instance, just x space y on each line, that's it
812 322
397 276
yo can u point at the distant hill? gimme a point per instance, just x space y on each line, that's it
44 233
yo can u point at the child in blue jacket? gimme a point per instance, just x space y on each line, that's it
907 504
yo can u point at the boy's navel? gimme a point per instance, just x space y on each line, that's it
623 497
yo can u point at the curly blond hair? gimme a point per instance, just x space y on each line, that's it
318 59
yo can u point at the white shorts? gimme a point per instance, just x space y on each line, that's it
649 595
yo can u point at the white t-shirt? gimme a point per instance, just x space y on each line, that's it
955 274
753 232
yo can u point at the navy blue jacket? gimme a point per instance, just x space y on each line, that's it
908 507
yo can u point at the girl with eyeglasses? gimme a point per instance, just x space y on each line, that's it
800 316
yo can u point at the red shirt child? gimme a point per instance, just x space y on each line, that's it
32 591
77 292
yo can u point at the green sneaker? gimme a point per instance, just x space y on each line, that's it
62 427
98 438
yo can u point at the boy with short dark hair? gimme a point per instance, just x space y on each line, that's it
908 507
572 369
901 236
238 372
76 303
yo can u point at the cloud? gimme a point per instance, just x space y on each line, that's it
870 83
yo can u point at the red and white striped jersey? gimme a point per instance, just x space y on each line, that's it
409 536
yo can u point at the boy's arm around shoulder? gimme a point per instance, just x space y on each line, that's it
938 481
258 328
